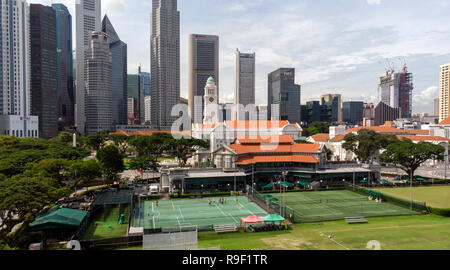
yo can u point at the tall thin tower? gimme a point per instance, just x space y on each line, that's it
165 62
244 91
88 19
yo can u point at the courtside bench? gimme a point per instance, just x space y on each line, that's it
355 220
225 228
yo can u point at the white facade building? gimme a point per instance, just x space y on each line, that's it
15 71
88 19
148 108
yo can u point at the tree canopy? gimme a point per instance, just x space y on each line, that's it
316 128
409 156
111 163
367 143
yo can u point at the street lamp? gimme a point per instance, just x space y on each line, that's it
253 179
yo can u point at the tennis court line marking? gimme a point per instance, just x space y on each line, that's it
336 242
393 227
173 205
181 213
245 208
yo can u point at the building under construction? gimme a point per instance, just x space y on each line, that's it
395 89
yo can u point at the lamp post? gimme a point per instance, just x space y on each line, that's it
253 179
411 189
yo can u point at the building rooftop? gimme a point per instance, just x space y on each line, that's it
321 137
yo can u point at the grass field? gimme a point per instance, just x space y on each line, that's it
424 232
337 204
436 196
101 228
171 214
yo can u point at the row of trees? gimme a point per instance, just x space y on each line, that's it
408 156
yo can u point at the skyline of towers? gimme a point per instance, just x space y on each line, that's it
203 62
165 62
244 90
65 76
44 90
119 52
98 82
15 71
335 101
88 19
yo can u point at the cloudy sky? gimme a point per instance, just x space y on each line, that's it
336 46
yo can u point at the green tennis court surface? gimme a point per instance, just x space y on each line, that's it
337 204
173 214
106 225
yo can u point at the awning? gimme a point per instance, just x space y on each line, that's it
303 175
273 218
64 218
267 186
285 184
302 183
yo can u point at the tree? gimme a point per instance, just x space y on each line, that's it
95 142
183 148
409 156
50 168
84 171
22 198
367 143
111 163
65 137
121 142
315 128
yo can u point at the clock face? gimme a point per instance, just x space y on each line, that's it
211 99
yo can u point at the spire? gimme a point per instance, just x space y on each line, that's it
108 28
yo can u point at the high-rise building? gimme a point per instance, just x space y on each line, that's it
444 92
244 91
15 71
148 109
335 101
134 92
352 112
384 112
118 50
65 84
146 83
203 54
88 19
395 90
436 107
43 68
283 96
98 82
165 62
314 112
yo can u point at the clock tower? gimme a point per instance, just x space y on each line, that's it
211 101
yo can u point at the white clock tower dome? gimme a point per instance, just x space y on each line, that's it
211 101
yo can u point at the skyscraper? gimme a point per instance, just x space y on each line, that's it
43 68
335 101
203 53
165 62
352 112
244 91
15 69
88 19
436 107
65 84
98 83
145 83
395 90
118 50
284 94
444 92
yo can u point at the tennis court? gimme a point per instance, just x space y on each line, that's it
336 205
173 214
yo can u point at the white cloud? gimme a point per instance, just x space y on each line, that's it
374 2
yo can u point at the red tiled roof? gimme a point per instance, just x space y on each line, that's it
388 124
423 138
418 131
247 160
446 121
149 133
283 139
283 148
321 137
338 138
379 129
255 124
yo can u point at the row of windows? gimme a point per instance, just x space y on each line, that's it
19 133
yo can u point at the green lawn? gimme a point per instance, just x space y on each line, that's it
101 228
436 196
428 232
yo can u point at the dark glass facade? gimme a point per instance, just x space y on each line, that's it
119 73
314 112
352 112
283 91
43 68
65 76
